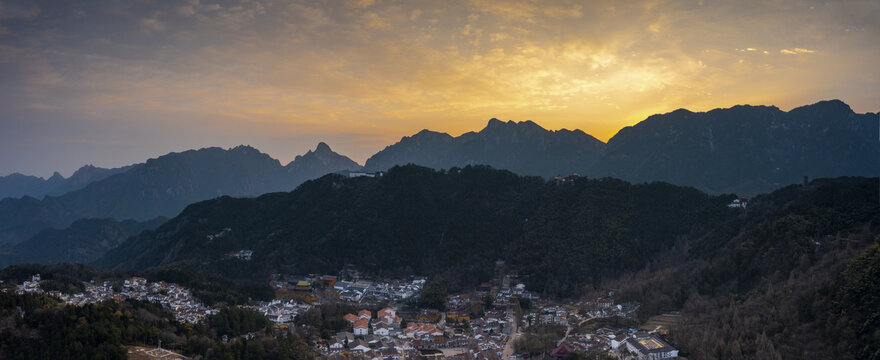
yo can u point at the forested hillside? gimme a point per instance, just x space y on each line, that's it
794 276
414 220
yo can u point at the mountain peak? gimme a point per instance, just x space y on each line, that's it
494 122
528 124
833 105
323 148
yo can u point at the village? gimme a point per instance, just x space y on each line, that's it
175 298
486 323
494 321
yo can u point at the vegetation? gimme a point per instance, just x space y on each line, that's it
434 294
855 298
38 327
234 321
326 320
453 224
794 276
539 339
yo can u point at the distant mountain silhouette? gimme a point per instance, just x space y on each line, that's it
17 185
83 241
745 149
525 148
320 162
165 185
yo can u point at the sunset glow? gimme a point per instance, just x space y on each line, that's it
112 83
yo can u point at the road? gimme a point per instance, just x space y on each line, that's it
509 346
568 329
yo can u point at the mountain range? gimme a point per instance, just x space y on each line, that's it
82 242
18 185
524 148
165 185
744 149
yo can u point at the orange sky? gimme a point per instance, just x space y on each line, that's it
112 83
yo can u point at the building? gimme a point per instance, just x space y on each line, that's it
382 329
388 316
351 318
739 203
650 347
365 314
359 345
361 327
328 281
561 351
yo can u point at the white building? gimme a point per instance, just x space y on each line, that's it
650 347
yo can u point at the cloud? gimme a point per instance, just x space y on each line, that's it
573 12
362 3
19 12
298 68
374 21
152 25
797 51
188 8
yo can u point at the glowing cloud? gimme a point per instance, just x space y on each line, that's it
282 75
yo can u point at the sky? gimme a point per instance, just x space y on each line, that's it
116 82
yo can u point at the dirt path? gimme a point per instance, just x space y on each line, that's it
515 334
567 331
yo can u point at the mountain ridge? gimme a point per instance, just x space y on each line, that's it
163 186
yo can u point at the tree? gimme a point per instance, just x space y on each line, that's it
434 294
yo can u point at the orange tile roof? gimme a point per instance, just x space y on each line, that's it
361 324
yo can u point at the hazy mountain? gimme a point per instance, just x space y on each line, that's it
17 185
745 149
165 185
524 148
317 163
83 241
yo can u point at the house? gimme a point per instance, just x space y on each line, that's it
739 203
359 345
365 314
429 315
458 316
335 345
382 329
328 281
389 316
361 327
650 347
560 351
420 330
303 286
351 318
345 337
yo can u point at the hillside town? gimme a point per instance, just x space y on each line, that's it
489 322
175 298
493 321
